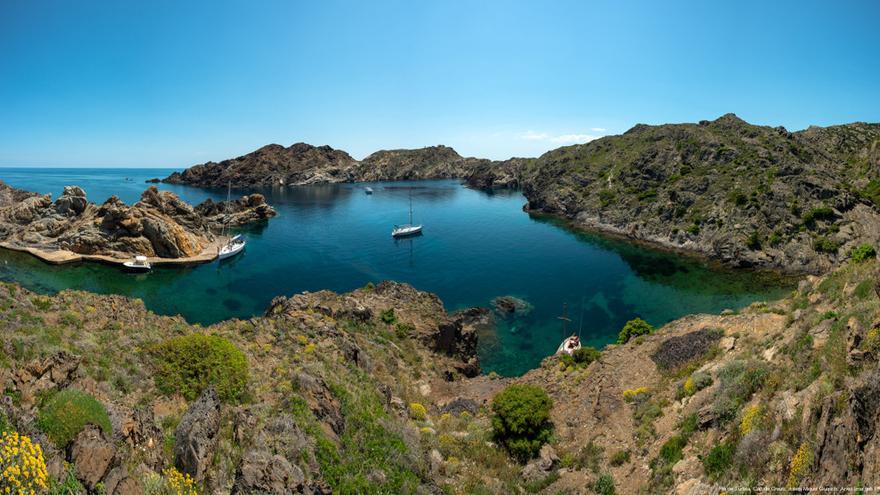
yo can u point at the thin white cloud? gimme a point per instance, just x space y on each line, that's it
597 129
534 136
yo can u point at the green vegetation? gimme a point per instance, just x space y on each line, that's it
823 244
862 253
739 380
189 364
64 414
754 241
580 358
814 214
719 459
388 316
604 485
521 419
619 458
634 328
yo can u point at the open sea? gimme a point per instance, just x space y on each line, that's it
476 246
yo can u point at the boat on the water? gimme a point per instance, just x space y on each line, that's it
138 265
407 229
232 247
368 190
569 345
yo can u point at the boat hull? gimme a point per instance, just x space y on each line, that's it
407 231
229 252
136 268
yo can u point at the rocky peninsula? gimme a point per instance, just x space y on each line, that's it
160 226
747 196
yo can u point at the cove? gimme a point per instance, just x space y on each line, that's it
476 247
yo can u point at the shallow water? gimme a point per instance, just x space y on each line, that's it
475 247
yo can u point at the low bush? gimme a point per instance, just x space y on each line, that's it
417 411
739 380
388 316
189 364
634 328
863 252
604 485
521 420
64 414
825 245
675 352
718 461
619 458
694 383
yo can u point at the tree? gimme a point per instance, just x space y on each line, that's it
634 328
521 420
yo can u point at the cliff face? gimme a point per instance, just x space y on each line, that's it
747 195
160 224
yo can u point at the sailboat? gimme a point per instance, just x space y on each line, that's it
407 229
237 243
572 343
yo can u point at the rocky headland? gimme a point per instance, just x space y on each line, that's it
159 225
744 195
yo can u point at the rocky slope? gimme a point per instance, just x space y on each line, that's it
375 391
749 196
160 224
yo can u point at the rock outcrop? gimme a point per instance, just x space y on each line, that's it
196 435
160 224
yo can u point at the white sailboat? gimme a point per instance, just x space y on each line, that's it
236 244
572 343
407 229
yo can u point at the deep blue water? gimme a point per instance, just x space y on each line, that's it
475 246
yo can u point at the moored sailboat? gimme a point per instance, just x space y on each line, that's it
407 229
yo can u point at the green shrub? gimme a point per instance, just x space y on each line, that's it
585 355
754 241
42 303
388 316
862 253
718 461
670 452
619 458
606 197
604 485
634 328
823 244
521 419
821 213
190 363
739 380
64 414
403 330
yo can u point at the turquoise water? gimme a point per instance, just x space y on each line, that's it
475 247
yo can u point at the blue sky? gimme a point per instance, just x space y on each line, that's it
171 84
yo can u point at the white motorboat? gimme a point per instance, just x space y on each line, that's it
569 345
368 190
408 229
231 248
139 265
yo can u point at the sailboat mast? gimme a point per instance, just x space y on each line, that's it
410 208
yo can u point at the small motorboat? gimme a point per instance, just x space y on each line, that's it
232 247
138 265
569 345
368 190
407 229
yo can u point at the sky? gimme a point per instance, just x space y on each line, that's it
172 83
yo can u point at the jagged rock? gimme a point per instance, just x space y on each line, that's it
160 224
540 467
72 200
196 435
119 482
511 306
142 433
262 473
321 400
56 371
91 455
460 405
676 351
436 461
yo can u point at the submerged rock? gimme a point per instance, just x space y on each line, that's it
509 306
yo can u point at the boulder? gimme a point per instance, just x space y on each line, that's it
460 405
92 455
196 435
263 473
543 465
72 201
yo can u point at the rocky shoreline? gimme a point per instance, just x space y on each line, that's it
160 226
